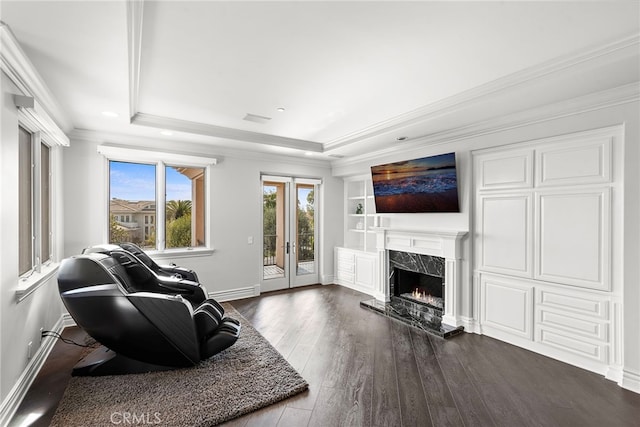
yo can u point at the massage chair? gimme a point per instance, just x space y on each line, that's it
117 302
167 279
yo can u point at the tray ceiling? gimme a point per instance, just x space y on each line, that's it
350 76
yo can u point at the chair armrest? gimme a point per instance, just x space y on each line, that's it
182 272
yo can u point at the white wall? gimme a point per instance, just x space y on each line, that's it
20 321
626 113
236 204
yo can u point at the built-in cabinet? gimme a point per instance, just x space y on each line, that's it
360 214
356 269
543 244
356 263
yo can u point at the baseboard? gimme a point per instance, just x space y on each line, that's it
327 279
630 381
614 373
355 287
19 390
67 321
238 293
470 325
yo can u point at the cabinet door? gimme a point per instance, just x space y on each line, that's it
505 233
573 237
507 305
345 266
365 272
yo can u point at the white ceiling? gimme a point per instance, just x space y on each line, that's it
351 76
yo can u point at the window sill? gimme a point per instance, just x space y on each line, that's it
29 285
181 253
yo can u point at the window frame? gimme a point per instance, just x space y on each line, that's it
161 160
41 270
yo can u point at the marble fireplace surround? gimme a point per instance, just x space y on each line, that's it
438 243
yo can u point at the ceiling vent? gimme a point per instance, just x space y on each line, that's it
256 118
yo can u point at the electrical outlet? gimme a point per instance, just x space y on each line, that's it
250 240
29 349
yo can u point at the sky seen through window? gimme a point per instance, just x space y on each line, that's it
136 181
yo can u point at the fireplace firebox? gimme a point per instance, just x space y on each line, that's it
418 287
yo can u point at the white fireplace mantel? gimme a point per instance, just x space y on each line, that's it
441 243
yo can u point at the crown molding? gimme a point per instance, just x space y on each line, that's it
618 49
625 94
18 67
135 9
224 132
38 119
193 148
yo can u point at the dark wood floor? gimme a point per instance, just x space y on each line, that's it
365 369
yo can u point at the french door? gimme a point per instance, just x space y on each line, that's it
289 232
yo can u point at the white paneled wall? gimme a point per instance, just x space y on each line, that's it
543 240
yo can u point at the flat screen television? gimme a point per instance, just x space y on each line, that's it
428 184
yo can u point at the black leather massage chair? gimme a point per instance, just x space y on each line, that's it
167 279
117 302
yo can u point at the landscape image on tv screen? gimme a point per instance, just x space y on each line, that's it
428 184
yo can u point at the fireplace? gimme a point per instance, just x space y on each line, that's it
418 288
419 280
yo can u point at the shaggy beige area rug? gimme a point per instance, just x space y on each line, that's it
247 376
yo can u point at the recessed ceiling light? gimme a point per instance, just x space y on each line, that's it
166 133
109 114
280 110
402 138
308 153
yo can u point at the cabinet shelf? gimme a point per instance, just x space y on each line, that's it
357 226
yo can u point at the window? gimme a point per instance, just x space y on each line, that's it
138 190
25 189
132 186
34 188
184 221
45 202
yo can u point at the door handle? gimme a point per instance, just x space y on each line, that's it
287 248
294 247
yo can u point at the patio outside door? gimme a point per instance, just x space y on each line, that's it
289 235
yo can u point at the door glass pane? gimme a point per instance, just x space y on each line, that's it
273 230
184 226
305 229
45 195
25 222
132 195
